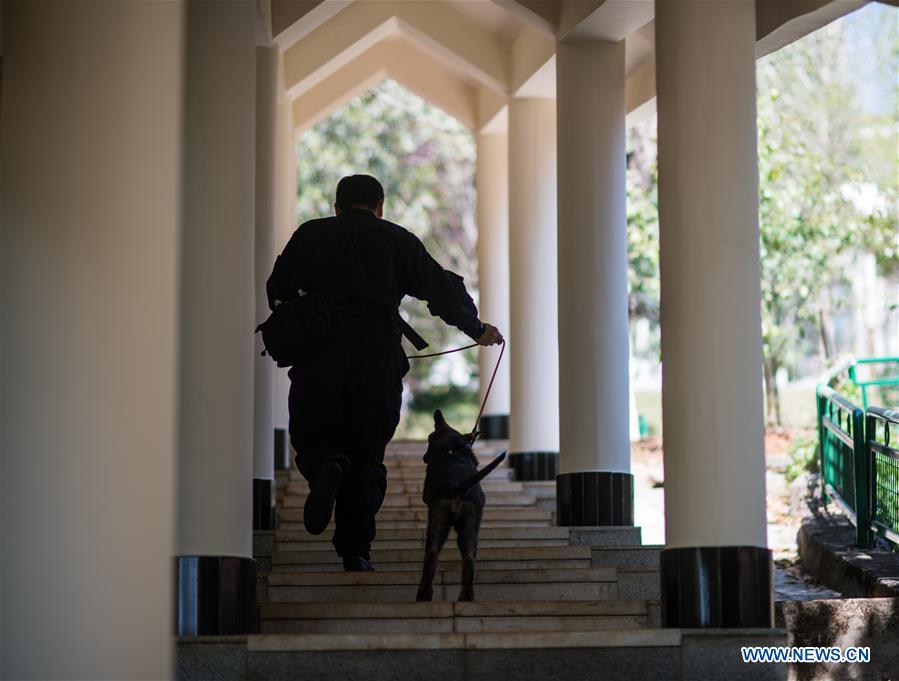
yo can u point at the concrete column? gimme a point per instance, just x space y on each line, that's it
264 389
716 570
216 573
91 230
285 209
493 274
533 340
595 486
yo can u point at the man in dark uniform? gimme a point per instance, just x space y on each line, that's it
345 396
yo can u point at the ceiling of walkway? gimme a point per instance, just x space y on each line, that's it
469 56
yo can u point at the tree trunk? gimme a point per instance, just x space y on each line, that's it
777 401
772 393
824 331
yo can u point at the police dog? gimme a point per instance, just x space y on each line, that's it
454 497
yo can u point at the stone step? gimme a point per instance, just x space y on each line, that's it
609 535
404 500
602 655
421 514
628 537
583 584
449 552
527 558
417 473
349 579
527 533
419 544
421 524
449 565
627 556
622 655
639 583
444 617
415 487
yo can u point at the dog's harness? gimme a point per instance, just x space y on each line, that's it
502 349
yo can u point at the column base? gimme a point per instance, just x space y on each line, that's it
717 587
494 427
264 492
595 498
534 465
282 450
215 595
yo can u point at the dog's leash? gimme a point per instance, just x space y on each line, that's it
502 349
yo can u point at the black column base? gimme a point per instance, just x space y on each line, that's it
494 427
264 492
595 498
215 595
282 450
717 587
534 465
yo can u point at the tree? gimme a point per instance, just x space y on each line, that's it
828 186
811 128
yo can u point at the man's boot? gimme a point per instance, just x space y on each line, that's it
357 564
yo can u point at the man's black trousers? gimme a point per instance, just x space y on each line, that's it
344 404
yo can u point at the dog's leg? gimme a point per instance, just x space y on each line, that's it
467 540
438 530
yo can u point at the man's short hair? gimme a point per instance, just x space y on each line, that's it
359 190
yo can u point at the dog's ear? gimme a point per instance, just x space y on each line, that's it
439 421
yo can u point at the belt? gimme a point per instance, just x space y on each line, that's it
361 309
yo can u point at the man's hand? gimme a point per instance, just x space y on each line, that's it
491 336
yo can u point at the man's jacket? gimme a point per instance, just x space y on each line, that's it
358 258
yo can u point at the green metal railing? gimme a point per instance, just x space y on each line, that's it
844 459
883 457
887 383
858 448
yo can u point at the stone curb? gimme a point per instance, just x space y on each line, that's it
826 549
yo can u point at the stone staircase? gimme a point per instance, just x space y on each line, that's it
552 602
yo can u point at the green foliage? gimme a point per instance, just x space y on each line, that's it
822 198
803 456
828 187
643 224
848 389
426 161
459 407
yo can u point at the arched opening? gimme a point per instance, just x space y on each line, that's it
426 160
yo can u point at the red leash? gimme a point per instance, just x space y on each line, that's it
502 349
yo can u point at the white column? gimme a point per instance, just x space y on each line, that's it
285 209
493 262
593 311
711 325
533 339
217 343
264 393
91 230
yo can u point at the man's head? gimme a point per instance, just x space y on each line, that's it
360 191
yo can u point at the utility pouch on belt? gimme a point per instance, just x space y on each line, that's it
294 327
304 323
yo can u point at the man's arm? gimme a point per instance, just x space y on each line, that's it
444 291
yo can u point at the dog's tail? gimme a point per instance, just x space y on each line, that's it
468 483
